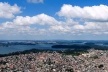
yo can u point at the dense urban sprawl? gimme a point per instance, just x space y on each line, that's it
93 61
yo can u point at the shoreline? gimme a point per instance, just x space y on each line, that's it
67 52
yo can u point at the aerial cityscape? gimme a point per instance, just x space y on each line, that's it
53 35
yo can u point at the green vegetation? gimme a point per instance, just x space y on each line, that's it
66 52
74 52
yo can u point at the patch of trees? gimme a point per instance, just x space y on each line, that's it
75 47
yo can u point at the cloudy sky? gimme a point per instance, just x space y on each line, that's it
53 19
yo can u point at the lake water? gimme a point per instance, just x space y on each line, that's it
43 45
14 48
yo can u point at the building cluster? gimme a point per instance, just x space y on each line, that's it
93 61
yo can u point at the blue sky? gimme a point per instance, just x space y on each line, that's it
51 6
54 19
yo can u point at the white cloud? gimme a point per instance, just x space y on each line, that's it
92 28
41 19
85 20
8 11
88 12
25 24
35 1
79 27
43 24
59 29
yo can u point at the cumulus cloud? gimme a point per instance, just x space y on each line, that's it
8 11
94 28
44 24
88 12
30 25
35 1
41 19
75 22
59 29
